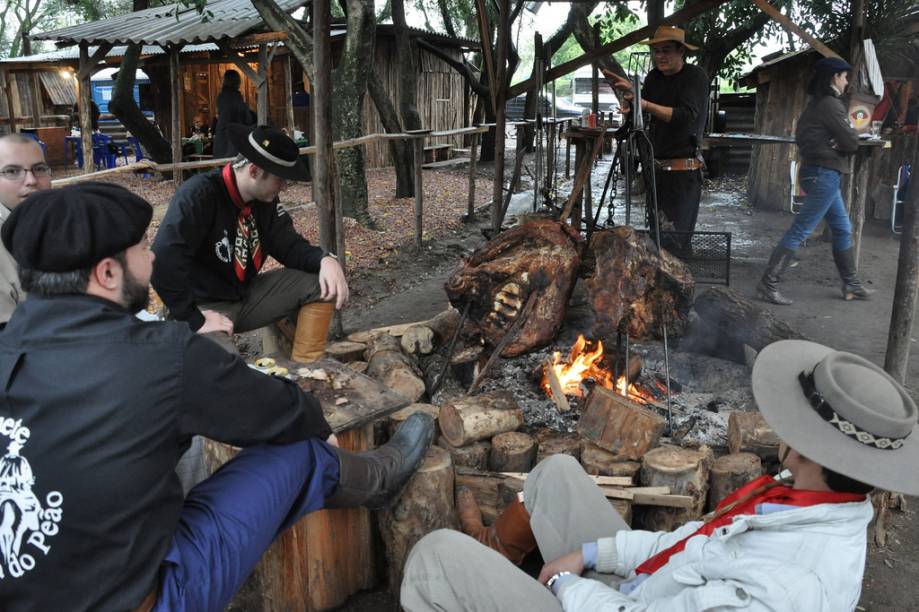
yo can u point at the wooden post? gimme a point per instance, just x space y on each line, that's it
289 97
419 190
907 285
500 114
321 99
485 41
261 104
85 108
859 198
176 103
595 75
36 100
567 158
473 153
8 92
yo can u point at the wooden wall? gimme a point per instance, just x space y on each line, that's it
439 99
780 99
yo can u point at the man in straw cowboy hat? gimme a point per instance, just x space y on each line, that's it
220 229
795 543
675 95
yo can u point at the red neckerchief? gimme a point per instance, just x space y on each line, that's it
247 240
744 501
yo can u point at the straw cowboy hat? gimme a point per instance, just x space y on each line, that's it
669 33
841 411
270 149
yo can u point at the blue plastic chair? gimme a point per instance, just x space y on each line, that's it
138 151
103 155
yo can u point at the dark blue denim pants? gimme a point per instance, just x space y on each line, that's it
823 200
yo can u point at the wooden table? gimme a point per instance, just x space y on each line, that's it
588 144
328 555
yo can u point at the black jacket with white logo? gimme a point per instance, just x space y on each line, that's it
194 247
96 407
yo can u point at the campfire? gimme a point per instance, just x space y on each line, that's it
587 367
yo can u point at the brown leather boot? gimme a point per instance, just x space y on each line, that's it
510 535
312 330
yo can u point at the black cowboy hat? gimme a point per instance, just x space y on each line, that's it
270 149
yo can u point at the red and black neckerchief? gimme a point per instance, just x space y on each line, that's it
247 241
744 501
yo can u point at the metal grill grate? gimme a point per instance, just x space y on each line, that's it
708 254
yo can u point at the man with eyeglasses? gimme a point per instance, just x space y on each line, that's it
23 171
675 95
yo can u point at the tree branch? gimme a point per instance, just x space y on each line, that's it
301 43
447 19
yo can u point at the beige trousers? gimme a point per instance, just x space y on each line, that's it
448 570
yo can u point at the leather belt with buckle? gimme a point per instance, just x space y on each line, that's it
676 165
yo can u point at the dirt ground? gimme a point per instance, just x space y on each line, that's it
411 289
392 282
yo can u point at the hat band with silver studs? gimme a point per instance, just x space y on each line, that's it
262 151
826 412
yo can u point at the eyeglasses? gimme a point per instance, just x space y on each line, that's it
17 173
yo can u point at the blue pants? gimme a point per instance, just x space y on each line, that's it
229 520
823 200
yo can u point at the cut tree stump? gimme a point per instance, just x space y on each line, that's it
557 444
398 417
479 417
750 433
743 320
619 425
512 451
686 472
623 508
485 489
426 504
473 456
388 364
346 351
599 462
730 472
417 340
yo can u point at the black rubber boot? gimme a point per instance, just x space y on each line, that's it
852 288
781 259
376 477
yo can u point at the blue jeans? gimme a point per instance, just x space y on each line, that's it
823 200
231 518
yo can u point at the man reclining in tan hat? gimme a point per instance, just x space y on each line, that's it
773 544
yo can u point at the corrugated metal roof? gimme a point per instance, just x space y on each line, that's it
73 53
166 26
60 90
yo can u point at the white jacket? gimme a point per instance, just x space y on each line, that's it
808 559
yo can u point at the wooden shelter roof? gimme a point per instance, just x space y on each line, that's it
169 25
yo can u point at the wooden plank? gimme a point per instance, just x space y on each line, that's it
36 100
470 202
419 192
558 394
288 96
603 481
790 26
485 42
8 93
261 98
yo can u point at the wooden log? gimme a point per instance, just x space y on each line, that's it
319 562
730 472
387 363
742 320
623 508
509 491
686 472
749 432
473 418
418 340
485 490
358 366
346 351
599 462
619 425
558 444
601 481
398 417
425 505
512 451
474 456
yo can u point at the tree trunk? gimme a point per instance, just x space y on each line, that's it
349 83
730 472
405 56
474 456
686 472
123 106
512 451
399 149
742 320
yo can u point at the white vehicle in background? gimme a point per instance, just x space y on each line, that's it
583 96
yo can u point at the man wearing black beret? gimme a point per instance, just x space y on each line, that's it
96 407
220 229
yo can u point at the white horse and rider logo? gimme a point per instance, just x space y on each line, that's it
222 248
25 525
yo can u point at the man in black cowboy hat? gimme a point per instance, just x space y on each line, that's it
220 229
794 542
96 407
675 95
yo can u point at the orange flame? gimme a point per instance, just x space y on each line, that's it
584 363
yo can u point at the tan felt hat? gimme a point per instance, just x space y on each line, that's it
669 33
